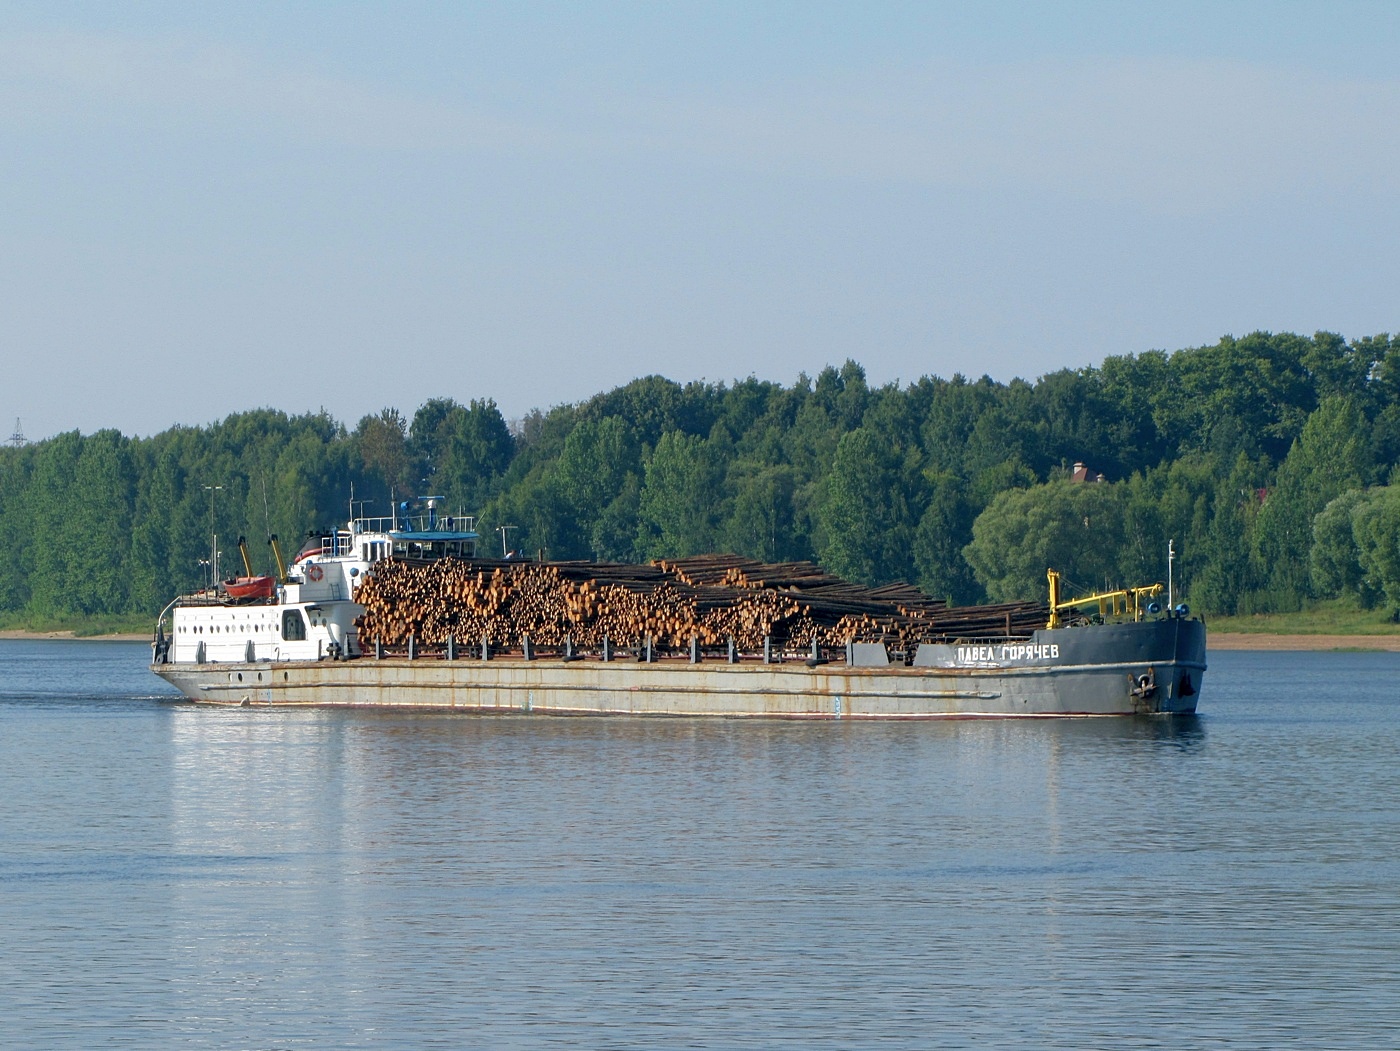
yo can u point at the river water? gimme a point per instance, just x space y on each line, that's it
185 878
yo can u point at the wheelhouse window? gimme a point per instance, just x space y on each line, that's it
293 626
434 549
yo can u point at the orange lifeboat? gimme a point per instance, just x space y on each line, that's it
244 589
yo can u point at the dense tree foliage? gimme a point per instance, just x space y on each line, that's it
1078 529
1356 546
1271 460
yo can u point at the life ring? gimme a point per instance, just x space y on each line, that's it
314 572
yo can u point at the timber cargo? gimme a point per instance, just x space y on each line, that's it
405 613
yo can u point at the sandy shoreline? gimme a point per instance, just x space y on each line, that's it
1216 640
1260 641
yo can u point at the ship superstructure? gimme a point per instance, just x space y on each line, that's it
307 612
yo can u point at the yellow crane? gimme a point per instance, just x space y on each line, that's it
1109 603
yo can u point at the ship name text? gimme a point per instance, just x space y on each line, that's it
1008 652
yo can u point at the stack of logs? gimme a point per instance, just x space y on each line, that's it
709 598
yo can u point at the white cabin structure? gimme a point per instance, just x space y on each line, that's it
312 610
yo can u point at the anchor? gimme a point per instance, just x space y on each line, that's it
1144 687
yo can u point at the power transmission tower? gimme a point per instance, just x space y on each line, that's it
17 439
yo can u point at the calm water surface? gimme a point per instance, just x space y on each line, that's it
173 877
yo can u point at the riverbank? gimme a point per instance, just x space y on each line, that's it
119 636
1225 640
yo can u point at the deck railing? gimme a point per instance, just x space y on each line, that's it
421 522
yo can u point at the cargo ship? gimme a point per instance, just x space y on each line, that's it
404 612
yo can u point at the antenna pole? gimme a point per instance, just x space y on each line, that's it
505 531
1171 557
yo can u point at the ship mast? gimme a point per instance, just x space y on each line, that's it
213 526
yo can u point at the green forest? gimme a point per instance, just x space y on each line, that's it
1272 461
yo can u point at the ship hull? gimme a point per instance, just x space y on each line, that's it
1129 669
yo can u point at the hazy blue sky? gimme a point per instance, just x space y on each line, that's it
207 208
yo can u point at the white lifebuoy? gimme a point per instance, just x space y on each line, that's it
314 572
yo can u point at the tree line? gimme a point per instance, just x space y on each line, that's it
1271 460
